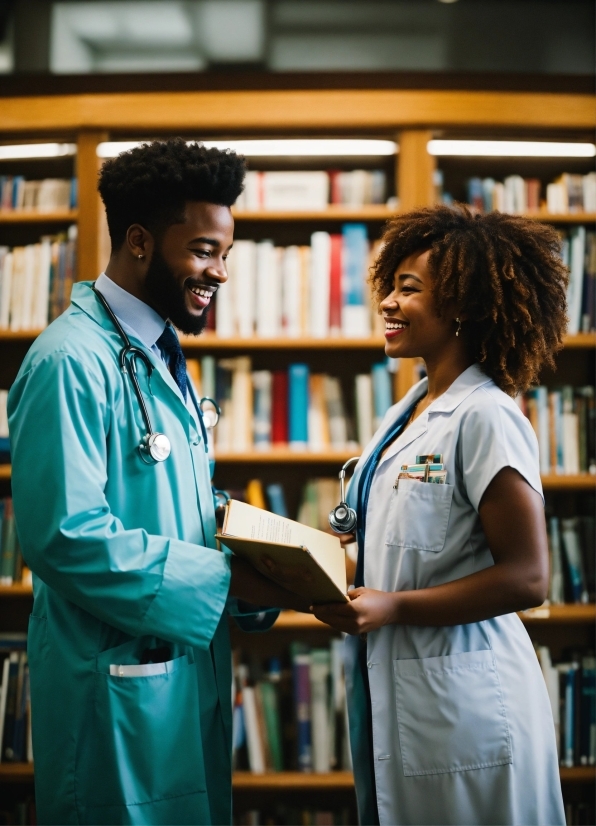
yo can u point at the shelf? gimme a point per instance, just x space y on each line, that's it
59 217
20 335
306 781
578 774
562 218
334 212
559 615
284 455
210 341
4 472
296 781
16 590
582 481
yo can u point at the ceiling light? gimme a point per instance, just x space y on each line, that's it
37 150
281 148
520 149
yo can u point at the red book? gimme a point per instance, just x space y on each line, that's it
279 408
334 186
335 286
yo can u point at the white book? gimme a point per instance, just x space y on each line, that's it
305 256
291 279
268 305
253 194
515 194
295 191
317 415
13 657
319 709
320 272
551 678
244 255
262 383
30 269
589 191
3 414
224 303
556 198
41 288
364 408
577 250
499 197
5 286
338 430
256 751
17 291
359 184
242 405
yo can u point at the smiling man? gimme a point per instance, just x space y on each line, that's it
128 641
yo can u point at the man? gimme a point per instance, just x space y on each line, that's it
128 640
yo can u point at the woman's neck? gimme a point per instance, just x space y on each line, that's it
443 370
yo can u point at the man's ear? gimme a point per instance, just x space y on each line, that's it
140 242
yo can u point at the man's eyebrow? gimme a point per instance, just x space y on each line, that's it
202 240
402 276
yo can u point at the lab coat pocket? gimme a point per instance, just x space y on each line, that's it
450 714
419 515
143 740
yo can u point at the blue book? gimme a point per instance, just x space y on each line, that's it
475 194
587 733
277 499
301 678
354 263
382 394
569 673
74 193
17 182
298 376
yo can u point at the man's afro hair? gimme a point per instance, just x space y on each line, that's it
150 184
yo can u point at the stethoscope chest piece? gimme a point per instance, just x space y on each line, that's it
155 447
343 518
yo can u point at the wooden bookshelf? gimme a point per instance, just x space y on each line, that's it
295 781
579 482
4 472
57 217
562 218
334 212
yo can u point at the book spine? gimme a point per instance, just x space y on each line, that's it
335 286
302 700
298 401
279 408
320 265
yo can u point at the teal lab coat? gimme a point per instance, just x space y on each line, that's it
124 559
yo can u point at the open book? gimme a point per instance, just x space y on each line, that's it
253 533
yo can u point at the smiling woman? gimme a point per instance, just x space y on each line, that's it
450 720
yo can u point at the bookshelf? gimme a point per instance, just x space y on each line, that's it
410 116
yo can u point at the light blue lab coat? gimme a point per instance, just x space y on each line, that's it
124 558
462 729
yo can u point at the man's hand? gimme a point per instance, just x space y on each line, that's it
250 586
366 611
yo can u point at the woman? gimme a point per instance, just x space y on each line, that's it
450 721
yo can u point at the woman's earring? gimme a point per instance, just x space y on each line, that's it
457 332
140 256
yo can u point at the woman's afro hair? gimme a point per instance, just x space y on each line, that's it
150 184
504 274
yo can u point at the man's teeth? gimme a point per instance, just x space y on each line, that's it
395 325
201 291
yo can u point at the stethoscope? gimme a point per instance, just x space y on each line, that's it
343 518
156 447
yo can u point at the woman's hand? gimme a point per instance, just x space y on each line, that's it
366 611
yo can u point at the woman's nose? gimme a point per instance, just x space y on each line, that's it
389 303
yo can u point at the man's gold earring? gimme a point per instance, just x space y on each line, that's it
457 332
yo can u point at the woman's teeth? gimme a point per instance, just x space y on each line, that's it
395 325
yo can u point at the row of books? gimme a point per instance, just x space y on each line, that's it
12 568
282 191
47 195
579 255
280 815
15 714
569 194
36 281
571 686
263 408
564 420
571 544
291 716
318 290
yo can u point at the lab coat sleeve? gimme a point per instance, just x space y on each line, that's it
495 434
140 583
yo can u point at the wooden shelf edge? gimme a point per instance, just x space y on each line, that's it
59 217
559 615
274 781
380 212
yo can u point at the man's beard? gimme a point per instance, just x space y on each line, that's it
168 298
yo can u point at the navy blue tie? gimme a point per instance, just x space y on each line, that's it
170 346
